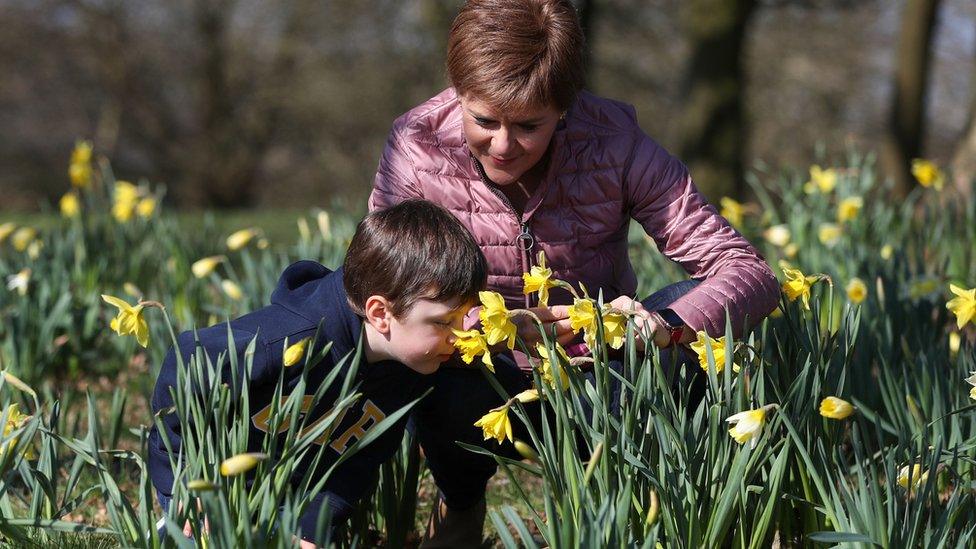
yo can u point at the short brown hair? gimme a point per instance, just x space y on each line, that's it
517 54
413 250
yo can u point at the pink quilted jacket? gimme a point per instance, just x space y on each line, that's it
602 172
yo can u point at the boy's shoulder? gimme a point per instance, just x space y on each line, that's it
308 300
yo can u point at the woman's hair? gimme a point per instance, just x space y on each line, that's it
517 54
413 250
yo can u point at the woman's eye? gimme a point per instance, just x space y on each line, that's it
529 127
483 121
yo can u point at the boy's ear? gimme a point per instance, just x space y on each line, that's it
377 313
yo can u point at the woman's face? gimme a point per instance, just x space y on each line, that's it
507 144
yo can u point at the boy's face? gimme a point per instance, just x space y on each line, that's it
422 338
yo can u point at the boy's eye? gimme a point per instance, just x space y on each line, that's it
483 121
529 127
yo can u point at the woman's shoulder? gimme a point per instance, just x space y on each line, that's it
436 121
603 114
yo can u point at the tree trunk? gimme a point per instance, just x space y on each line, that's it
712 125
906 123
587 16
964 158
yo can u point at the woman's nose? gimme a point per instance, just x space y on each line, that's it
503 142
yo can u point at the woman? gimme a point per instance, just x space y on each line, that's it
528 162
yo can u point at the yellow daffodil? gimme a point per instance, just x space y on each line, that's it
294 353
129 320
798 285
125 192
132 290
472 343
849 208
927 173
205 266
539 279
241 238
955 342
263 243
495 424
69 205
18 383
34 249
19 281
972 393
241 463
495 321
22 238
125 197
829 234
747 426
963 306
123 211
778 235
5 230
857 290
231 289
835 408
303 231
822 181
201 485
325 226
582 314
887 251
546 366
701 346
790 250
615 329
146 207
912 478
732 210
527 396
15 420
526 451
80 168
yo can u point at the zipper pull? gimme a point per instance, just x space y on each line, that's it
525 239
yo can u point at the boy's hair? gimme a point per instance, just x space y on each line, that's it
517 54
414 250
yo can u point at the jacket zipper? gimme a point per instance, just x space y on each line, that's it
525 241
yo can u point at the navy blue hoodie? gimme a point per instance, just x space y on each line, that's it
307 294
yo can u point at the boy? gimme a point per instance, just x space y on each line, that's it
410 274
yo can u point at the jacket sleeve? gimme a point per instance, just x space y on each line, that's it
689 231
396 176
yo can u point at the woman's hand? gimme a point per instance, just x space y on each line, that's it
649 326
555 317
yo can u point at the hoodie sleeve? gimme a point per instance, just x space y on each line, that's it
396 175
689 231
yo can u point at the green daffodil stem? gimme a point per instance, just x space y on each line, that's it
516 313
566 286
